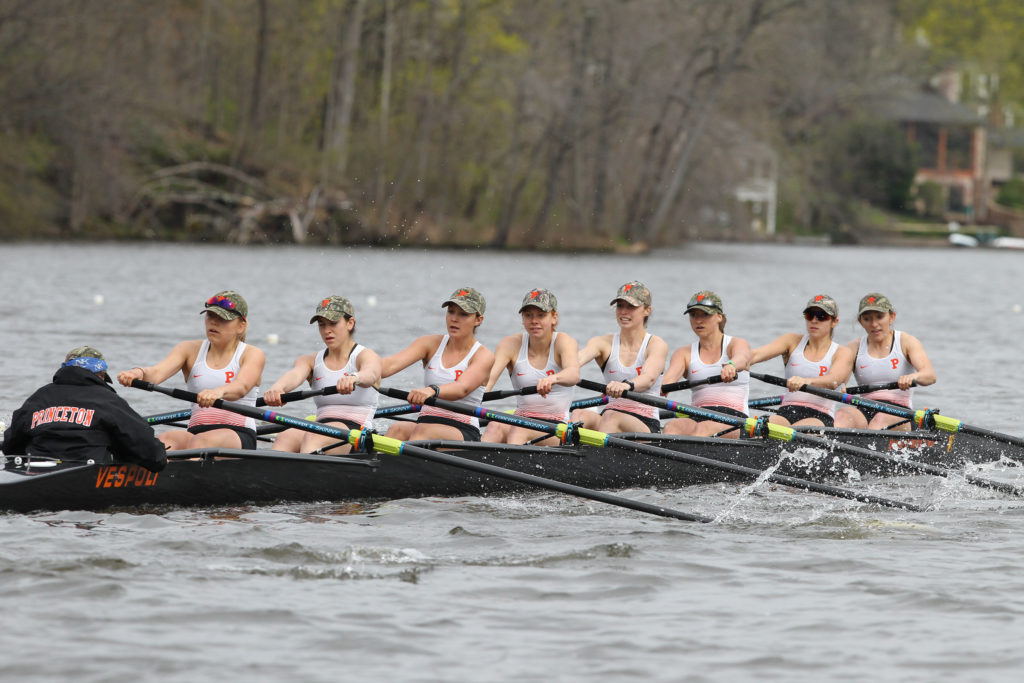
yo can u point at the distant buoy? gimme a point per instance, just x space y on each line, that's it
272 338
1016 308
97 299
371 301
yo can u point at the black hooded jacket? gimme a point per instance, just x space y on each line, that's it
79 417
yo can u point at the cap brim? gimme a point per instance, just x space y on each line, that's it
867 309
822 309
222 313
706 309
628 300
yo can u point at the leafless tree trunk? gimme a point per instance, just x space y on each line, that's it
341 94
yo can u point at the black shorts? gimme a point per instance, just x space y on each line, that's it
719 409
797 413
350 424
869 413
469 432
653 423
246 436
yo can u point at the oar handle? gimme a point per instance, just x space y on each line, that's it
509 393
299 395
686 384
860 389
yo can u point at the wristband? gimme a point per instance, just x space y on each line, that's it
728 362
437 390
632 387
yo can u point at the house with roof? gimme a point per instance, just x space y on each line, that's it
951 139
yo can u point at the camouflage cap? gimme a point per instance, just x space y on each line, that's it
333 308
874 302
83 352
825 303
541 298
87 357
705 300
468 299
228 304
633 292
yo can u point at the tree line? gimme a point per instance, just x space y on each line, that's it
524 123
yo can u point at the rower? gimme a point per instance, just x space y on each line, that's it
455 366
714 354
222 366
351 368
80 418
811 358
540 357
631 359
884 355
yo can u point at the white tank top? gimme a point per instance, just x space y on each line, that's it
869 370
799 366
358 407
437 373
556 405
615 371
729 395
204 377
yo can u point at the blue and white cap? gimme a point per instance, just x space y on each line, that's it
89 358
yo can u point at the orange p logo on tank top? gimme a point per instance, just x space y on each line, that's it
822 370
228 376
458 373
895 363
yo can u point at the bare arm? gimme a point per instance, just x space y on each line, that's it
504 357
739 355
419 350
782 346
567 356
924 373
598 348
180 358
677 365
299 372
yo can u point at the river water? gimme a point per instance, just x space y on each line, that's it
784 586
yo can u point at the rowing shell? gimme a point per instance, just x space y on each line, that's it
231 477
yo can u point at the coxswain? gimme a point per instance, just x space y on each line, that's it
222 366
79 418
540 358
632 360
714 354
811 358
351 368
455 368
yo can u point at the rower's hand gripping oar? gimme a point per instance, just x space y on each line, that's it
573 434
760 426
362 440
299 395
687 384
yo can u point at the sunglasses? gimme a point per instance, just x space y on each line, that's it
223 302
820 316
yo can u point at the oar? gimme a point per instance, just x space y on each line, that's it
165 418
592 437
762 427
299 395
686 384
923 419
382 444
